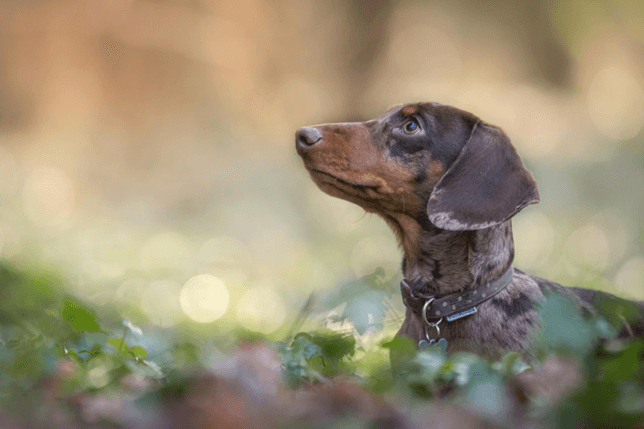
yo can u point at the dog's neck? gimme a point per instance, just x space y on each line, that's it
443 262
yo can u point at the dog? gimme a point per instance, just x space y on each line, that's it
447 184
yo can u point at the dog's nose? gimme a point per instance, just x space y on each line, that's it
307 137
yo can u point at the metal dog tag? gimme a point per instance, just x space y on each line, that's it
423 344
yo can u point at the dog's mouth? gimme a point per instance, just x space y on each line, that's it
323 177
373 195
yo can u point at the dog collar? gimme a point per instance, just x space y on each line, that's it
455 305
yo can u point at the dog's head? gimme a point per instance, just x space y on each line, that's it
419 159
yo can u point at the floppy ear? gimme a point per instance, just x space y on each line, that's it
486 184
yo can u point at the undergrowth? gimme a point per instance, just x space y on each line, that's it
50 338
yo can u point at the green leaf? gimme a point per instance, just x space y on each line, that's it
139 352
430 362
487 396
335 345
79 317
311 350
283 349
622 366
401 350
617 311
121 347
512 364
298 345
461 364
366 311
118 343
564 329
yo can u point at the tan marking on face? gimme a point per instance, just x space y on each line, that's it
409 110
346 164
358 171
436 170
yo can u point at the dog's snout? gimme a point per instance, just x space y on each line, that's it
307 137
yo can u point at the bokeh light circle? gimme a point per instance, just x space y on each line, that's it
615 102
630 278
588 247
204 298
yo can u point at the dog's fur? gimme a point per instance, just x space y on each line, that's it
447 188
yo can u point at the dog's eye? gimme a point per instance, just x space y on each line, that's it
411 127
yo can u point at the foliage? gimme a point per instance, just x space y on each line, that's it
42 328
47 335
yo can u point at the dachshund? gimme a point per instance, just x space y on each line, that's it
447 184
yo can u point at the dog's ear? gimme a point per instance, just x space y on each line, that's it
486 184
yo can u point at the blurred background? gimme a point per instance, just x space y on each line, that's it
147 147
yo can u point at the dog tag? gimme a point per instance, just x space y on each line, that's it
423 344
